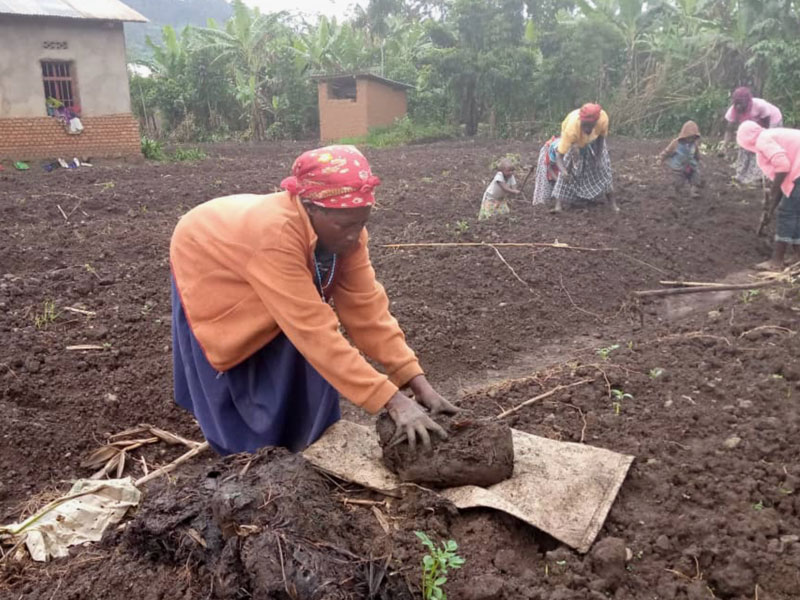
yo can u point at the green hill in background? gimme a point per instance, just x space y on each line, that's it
177 13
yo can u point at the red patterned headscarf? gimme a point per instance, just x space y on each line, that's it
590 113
333 177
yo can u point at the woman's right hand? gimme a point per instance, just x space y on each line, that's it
411 421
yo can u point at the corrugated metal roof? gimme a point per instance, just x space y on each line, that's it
105 10
360 75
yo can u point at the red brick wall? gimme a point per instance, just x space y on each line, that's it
108 136
384 104
342 118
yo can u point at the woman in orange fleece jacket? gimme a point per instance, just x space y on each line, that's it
258 355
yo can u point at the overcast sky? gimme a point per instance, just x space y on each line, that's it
308 7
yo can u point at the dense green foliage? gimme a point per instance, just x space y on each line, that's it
500 67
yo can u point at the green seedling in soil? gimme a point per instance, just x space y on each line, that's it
462 226
749 295
655 372
758 505
604 352
619 396
435 566
47 316
106 185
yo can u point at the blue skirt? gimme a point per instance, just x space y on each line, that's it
274 398
787 224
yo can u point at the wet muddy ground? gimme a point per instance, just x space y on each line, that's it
706 399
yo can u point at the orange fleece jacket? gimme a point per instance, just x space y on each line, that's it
243 266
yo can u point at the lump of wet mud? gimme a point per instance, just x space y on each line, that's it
476 452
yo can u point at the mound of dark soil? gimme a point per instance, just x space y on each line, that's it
275 531
476 452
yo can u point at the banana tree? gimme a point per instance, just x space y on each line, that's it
248 45
330 47
632 18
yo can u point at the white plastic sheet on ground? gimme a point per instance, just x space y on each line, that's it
562 488
80 516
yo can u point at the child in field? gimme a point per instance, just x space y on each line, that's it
683 158
500 188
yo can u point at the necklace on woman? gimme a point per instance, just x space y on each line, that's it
324 286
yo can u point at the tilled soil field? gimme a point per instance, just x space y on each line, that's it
707 403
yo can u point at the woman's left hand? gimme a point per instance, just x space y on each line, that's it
429 397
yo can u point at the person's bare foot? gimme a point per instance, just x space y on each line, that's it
769 265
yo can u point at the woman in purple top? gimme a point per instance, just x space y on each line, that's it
747 108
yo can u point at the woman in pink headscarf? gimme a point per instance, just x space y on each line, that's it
260 287
746 108
777 152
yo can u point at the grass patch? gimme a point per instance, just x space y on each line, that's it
403 131
154 150
184 154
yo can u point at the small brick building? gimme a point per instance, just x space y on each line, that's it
352 104
72 52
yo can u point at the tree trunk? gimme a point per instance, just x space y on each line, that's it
471 108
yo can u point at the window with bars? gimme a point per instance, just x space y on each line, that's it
59 82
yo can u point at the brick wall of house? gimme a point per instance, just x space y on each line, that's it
384 104
342 118
108 136
376 105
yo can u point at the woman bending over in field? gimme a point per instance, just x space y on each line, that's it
260 286
582 157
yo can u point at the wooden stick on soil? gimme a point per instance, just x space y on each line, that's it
145 470
510 268
695 290
499 244
172 438
768 328
583 418
362 502
692 284
646 264
541 397
575 306
85 347
143 428
80 311
174 464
